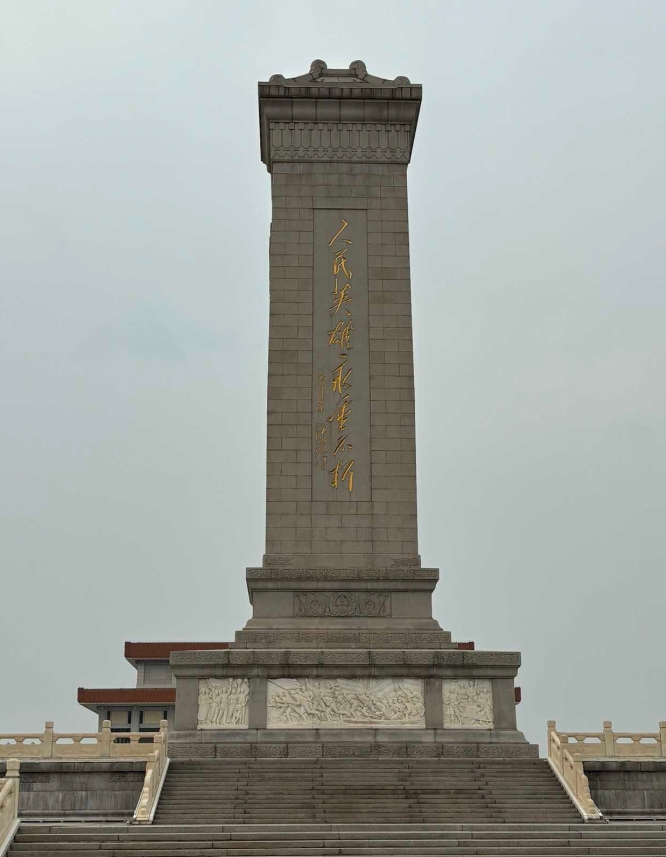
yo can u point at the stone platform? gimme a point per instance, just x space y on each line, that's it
380 702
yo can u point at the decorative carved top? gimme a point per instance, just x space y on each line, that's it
338 95
321 75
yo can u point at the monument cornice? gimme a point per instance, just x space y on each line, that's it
334 574
351 97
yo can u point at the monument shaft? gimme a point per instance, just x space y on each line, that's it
341 477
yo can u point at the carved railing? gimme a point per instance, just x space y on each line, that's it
608 744
78 745
569 768
567 752
156 768
9 801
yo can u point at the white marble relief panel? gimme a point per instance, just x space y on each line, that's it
223 703
345 703
468 703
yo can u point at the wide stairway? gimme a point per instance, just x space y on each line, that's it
344 791
354 807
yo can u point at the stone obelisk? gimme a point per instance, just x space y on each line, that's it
342 650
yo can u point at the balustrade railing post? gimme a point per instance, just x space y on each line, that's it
609 740
47 741
158 741
662 737
13 768
105 740
13 773
552 729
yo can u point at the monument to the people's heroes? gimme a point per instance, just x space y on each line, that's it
342 655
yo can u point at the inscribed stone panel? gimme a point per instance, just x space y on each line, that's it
341 367
468 703
223 703
345 703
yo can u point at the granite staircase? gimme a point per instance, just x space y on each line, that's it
353 807
356 790
353 840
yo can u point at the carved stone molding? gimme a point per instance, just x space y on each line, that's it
275 572
345 703
468 703
192 751
223 703
342 604
207 656
375 142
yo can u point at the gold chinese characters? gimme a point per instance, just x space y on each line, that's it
340 337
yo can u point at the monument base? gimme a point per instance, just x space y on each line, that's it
347 743
339 702
345 661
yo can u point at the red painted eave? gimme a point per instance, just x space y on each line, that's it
126 695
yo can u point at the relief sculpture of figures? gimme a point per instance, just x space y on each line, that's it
468 703
341 703
223 703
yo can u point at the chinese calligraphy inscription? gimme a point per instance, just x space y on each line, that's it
341 393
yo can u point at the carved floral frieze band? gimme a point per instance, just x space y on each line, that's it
223 703
345 703
468 703
341 604
331 141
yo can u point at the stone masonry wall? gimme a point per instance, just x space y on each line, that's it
346 533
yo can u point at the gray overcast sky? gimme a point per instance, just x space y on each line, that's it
134 215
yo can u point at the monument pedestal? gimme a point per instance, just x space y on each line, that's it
345 662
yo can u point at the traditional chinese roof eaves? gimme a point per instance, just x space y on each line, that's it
126 695
162 651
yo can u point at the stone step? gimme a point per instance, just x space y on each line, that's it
315 849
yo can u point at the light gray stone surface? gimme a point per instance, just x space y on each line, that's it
628 788
101 790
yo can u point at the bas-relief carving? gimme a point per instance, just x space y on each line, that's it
223 703
340 141
341 604
345 703
468 703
